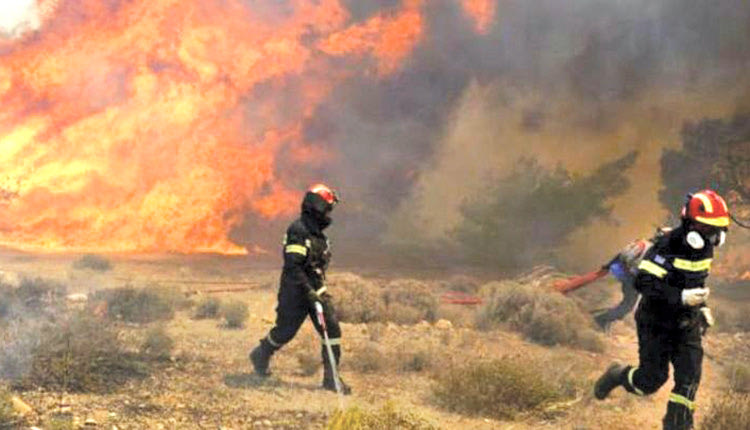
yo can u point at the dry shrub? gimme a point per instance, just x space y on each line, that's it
208 307
93 262
385 418
500 389
32 294
418 360
80 354
235 314
157 344
731 317
368 358
138 305
462 283
738 374
730 412
410 301
356 300
544 317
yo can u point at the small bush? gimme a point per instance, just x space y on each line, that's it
138 305
386 418
8 417
731 412
35 293
416 361
158 344
410 301
355 299
367 359
543 317
208 307
308 363
500 389
235 314
738 374
80 354
93 262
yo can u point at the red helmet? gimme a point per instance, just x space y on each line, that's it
707 207
326 193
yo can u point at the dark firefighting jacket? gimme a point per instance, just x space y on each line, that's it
669 267
306 255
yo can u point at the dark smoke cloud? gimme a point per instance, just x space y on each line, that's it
599 54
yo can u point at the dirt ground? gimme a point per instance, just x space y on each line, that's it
208 383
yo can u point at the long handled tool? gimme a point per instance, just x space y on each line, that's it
329 349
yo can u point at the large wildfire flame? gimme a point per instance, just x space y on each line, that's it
155 125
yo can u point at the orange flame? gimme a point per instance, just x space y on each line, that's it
155 126
481 12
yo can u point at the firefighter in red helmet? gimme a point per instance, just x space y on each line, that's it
672 315
306 254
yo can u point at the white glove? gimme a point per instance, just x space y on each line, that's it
695 296
708 317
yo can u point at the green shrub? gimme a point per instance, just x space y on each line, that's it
157 344
208 307
235 314
544 317
80 354
386 418
500 389
93 262
138 305
730 412
738 374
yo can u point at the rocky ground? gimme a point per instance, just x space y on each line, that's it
207 383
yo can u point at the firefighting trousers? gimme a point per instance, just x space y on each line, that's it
657 347
292 309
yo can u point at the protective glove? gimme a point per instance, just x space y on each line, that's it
313 296
707 318
318 295
695 296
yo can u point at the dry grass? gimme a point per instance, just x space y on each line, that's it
731 412
738 374
500 388
731 317
387 417
409 301
541 316
8 417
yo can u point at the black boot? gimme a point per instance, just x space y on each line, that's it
261 356
611 379
330 385
328 382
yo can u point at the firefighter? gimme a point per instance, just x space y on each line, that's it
306 255
673 315
624 268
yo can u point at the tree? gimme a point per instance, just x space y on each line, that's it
526 215
715 154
